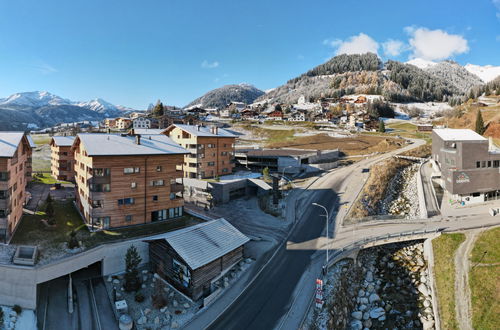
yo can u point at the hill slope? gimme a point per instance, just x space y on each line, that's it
220 97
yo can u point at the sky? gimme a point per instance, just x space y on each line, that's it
133 53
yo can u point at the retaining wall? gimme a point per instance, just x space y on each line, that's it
422 206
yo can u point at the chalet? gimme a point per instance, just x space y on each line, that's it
361 99
194 258
141 122
275 115
425 127
62 159
249 114
211 149
15 169
124 180
123 123
236 106
110 122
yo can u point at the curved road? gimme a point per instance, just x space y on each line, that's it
269 296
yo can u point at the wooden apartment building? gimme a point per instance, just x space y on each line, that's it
124 180
211 149
62 158
15 172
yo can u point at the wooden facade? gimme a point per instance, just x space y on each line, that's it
209 157
15 173
117 191
62 160
195 283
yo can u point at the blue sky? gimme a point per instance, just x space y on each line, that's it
135 52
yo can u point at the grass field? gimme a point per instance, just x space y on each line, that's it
41 139
444 248
408 130
484 281
46 178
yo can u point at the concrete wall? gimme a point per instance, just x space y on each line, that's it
422 206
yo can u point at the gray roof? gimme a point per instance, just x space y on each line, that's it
31 142
63 141
204 131
9 141
118 145
458 134
201 244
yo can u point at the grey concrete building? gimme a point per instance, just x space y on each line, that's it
469 165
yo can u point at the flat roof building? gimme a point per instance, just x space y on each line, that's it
468 163
124 180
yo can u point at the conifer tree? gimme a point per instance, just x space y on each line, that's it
132 261
479 123
381 127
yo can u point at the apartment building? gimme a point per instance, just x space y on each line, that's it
467 163
211 149
124 180
62 158
15 170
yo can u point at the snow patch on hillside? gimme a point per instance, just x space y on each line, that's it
486 72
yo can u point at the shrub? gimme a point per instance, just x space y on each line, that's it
139 297
1 316
158 296
132 261
73 241
18 309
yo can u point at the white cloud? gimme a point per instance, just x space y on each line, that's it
358 44
435 44
393 47
496 3
209 65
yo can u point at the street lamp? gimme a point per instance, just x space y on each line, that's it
327 217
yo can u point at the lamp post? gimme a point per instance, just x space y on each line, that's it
327 217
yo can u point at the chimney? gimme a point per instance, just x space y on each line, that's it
215 130
138 139
132 131
198 127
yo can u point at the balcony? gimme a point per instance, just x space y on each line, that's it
5 204
176 187
4 223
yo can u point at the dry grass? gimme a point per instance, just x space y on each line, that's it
484 281
376 187
356 145
444 248
423 151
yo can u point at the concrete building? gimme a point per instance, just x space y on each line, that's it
467 163
211 149
123 123
61 166
15 170
194 258
288 160
124 180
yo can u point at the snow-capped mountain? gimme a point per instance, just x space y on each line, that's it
421 63
98 105
33 99
486 72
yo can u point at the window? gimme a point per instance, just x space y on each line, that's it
14 187
4 194
133 185
126 201
211 163
224 170
489 163
478 164
158 168
172 196
102 222
131 170
496 163
211 145
102 172
225 145
156 183
97 203
128 218
100 187
483 163
166 214
476 194
4 176
155 198
181 273
224 153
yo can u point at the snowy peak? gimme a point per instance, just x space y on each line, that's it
487 72
98 105
421 63
34 99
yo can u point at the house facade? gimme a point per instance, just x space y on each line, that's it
61 166
469 165
124 180
141 122
194 258
123 123
211 149
15 172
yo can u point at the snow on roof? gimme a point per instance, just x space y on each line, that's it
201 244
198 130
63 141
149 131
9 141
458 134
118 145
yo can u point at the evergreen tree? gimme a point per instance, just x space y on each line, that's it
381 127
158 109
132 261
265 173
479 123
49 207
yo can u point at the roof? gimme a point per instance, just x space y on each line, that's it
63 141
9 141
201 244
31 142
458 134
275 152
125 145
204 131
149 131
